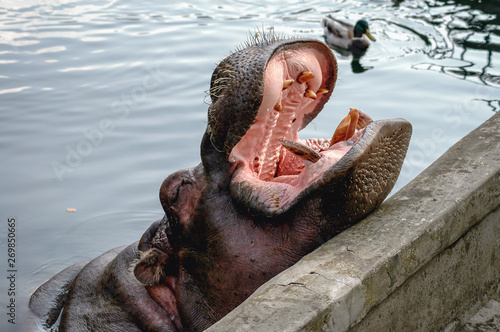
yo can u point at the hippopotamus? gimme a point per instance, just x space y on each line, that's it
259 201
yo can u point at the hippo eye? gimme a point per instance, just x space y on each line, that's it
176 196
170 191
176 193
179 195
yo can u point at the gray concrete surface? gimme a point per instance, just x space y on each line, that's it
487 319
426 260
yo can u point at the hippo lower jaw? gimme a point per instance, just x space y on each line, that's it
297 176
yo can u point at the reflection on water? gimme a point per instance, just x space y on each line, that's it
99 101
471 35
357 67
465 31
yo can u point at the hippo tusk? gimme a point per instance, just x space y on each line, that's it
356 119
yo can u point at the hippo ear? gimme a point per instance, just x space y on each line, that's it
149 270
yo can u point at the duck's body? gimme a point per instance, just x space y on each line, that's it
347 36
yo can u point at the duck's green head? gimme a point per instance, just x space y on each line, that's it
361 28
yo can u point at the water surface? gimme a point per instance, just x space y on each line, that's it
100 101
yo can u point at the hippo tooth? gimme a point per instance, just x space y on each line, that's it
321 91
305 76
300 150
278 107
287 83
347 127
310 94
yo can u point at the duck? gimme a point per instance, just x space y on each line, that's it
347 36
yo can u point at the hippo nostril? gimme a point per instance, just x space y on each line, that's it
148 236
160 240
160 235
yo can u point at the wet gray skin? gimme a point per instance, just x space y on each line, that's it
259 201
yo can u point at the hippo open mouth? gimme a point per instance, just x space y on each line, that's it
276 167
293 81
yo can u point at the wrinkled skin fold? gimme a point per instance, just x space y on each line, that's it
260 200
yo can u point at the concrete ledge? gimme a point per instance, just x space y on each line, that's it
427 259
